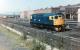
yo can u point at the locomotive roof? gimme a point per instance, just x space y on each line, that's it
48 14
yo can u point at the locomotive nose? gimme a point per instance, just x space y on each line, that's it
59 21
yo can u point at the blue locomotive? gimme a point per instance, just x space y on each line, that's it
52 20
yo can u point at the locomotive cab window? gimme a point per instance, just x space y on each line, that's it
51 17
59 16
56 17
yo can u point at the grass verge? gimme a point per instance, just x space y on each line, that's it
17 39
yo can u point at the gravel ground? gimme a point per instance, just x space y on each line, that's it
70 39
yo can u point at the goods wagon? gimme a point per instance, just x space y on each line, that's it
54 21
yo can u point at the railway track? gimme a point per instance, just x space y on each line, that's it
27 25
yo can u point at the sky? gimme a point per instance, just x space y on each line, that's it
8 6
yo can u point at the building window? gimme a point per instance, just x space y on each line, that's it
67 16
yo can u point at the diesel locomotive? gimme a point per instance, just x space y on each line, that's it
52 20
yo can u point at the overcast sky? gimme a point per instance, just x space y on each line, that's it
19 5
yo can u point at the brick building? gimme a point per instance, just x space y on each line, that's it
46 10
26 14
